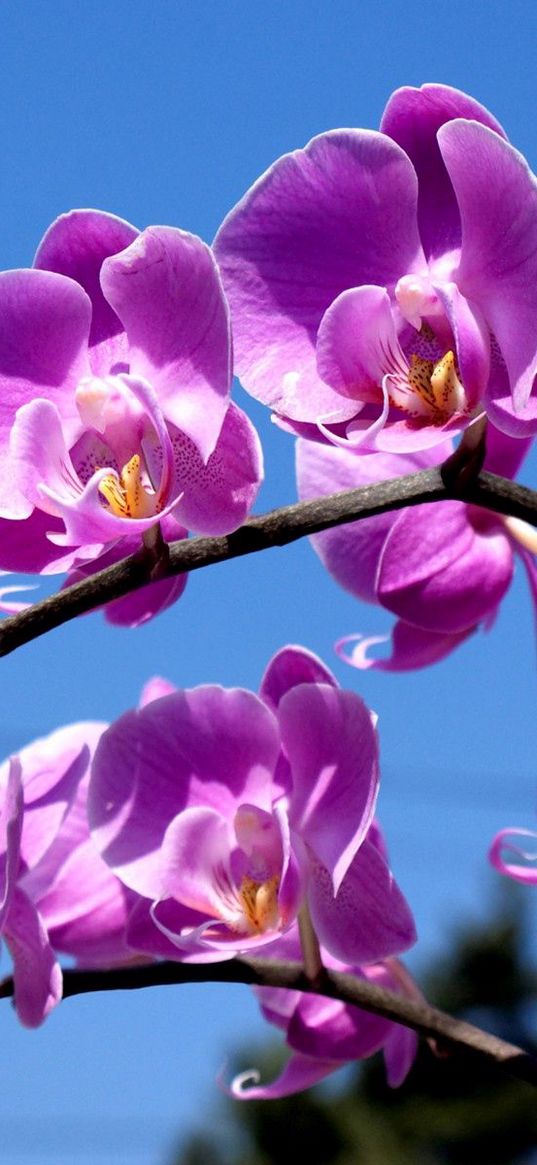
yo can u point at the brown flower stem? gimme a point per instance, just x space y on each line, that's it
277 528
453 1035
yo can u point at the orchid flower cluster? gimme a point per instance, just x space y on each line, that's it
379 292
199 827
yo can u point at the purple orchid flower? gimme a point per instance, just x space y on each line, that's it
324 1034
56 893
226 811
115 369
442 569
383 285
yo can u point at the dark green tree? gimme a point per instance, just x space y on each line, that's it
450 1110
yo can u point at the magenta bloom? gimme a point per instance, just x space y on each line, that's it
442 569
115 371
56 893
226 811
324 1034
383 286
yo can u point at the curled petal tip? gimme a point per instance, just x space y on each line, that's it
358 656
240 1085
11 608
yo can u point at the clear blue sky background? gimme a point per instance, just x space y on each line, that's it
164 112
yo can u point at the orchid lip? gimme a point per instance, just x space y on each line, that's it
426 383
113 406
241 891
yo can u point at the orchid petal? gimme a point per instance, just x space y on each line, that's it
25 547
498 401
352 552
36 973
299 1073
497 196
77 244
412 118
412 647
325 1028
472 343
217 497
291 666
12 607
155 689
166 290
357 342
447 576
52 769
337 214
11 818
369 918
45 320
399 1050
83 905
516 870
137 608
504 455
207 747
332 749
195 865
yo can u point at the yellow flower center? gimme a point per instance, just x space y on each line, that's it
437 383
126 495
260 903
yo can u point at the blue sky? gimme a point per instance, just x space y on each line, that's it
164 113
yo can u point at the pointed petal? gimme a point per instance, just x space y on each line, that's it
505 454
52 770
400 1051
82 904
514 423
